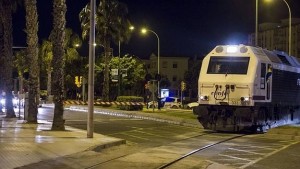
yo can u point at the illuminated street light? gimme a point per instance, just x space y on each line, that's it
290 25
119 84
144 31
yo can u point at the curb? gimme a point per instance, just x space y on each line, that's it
98 148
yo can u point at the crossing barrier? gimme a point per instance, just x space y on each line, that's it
76 102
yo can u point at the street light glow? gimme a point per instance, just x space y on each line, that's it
144 31
131 27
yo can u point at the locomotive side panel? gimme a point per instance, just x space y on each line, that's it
285 87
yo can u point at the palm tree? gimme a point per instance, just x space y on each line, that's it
58 39
72 41
21 66
6 44
46 56
32 57
2 60
112 26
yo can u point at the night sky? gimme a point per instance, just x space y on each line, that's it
185 27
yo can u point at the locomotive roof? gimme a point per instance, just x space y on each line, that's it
282 57
275 56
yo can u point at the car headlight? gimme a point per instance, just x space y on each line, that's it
245 99
3 101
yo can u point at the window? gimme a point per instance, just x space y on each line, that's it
262 75
175 65
228 65
164 64
174 79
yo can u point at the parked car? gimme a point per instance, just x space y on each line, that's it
172 102
192 104
151 103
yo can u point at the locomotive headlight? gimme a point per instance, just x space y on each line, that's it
245 99
204 97
231 49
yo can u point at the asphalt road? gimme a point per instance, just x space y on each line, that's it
150 141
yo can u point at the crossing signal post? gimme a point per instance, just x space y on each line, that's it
78 81
183 88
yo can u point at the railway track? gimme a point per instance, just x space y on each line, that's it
168 164
199 150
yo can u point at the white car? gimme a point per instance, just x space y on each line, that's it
172 102
151 103
192 104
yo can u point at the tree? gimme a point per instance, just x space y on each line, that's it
58 39
112 26
46 56
6 44
192 75
32 58
21 66
72 41
135 73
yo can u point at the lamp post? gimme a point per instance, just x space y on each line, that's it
119 77
145 31
90 116
256 23
290 26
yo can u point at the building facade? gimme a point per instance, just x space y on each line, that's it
275 36
171 69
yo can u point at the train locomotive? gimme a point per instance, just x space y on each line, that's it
245 88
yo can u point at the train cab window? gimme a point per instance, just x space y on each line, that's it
262 75
228 65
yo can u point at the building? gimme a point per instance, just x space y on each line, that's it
275 36
172 70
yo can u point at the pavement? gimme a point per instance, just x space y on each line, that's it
23 144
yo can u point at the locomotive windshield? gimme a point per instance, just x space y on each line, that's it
228 65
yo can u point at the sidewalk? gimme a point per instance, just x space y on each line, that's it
22 143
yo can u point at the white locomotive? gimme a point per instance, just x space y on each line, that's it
248 88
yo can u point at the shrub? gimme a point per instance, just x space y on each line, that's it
130 99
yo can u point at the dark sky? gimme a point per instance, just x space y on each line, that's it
184 27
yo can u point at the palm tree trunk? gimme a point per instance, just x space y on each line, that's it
59 23
49 79
106 71
6 21
32 55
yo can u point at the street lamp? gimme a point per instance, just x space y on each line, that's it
256 23
144 30
290 28
90 115
131 28
290 25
